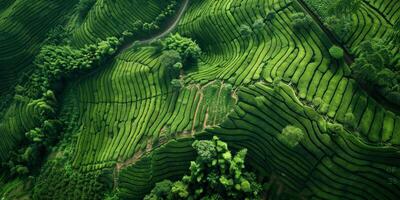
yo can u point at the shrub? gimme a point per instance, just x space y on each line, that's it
340 25
291 136
336 52
186 47
170 58
216 174
300 20
270 15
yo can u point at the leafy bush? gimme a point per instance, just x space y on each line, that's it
378 66
291 136
300 20
340 25
216 174
186 47
270 15
336 52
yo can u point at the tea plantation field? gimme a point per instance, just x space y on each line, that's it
109 99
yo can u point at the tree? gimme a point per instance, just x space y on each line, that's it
245 30
162 190
216 174
300 20
344 7
291 136
270 15
170 58
340 25
186 47
336 52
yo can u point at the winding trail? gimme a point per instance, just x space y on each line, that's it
170 27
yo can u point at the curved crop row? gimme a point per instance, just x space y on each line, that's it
325 165
169 161
109 18
130 106
24 26
277 51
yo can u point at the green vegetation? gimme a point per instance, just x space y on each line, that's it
291 136
300 21
336 52
216 174
378 67
119 99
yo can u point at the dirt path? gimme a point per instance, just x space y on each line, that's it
171 26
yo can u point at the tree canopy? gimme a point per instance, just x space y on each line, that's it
216 174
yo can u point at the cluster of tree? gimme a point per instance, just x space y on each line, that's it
57 62
216 174
291 136
53 63
186 48
379 67
151 27
300 21
339 17
177 52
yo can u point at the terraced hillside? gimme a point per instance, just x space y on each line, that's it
139 81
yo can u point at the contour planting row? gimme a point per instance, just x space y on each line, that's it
24 26
19 118
325 165
278 51
368 24
170 161
110 18
389 8
130 106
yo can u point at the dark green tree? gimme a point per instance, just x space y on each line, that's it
300 20
216 174
336 52
291 136
344 7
